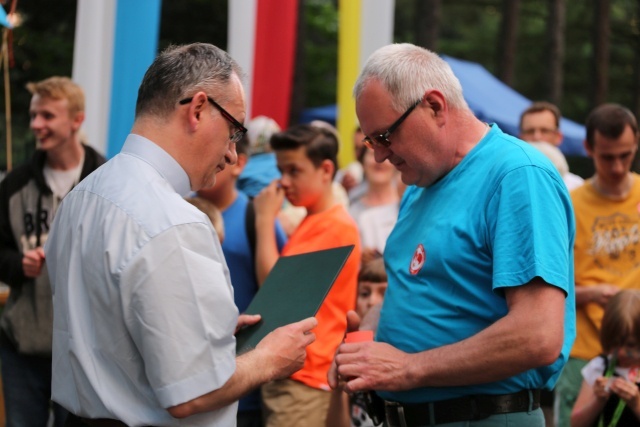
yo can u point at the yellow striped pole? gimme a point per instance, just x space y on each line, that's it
349 14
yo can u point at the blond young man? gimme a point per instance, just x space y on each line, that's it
29 198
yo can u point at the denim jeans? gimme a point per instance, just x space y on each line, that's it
26 383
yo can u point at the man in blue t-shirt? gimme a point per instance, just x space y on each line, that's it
479 313
238 247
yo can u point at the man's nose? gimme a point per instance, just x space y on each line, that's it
380 154
36 122
619 166
537 135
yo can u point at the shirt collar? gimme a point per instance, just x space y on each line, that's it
160 160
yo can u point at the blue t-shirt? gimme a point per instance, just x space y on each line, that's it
499 219
238 255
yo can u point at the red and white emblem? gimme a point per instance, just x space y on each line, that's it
419 257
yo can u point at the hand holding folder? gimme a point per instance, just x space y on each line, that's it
294 290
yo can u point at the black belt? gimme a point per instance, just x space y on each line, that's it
102 422
468 408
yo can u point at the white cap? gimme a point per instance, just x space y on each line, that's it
259 131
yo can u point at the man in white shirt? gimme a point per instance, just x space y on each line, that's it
541 123
144 314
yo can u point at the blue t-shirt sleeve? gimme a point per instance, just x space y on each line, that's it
531 229
281 236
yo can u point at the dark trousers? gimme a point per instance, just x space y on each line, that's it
250 418
26 383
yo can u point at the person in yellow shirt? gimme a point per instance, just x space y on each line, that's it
607 245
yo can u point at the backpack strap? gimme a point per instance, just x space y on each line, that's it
250 227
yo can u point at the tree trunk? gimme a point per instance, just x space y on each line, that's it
508 40
602 35
428 13
556 40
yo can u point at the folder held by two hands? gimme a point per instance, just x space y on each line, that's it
294 290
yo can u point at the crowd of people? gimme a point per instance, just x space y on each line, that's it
500 289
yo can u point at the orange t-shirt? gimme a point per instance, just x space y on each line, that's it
329 229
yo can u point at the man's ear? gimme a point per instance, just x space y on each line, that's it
77 120
196 106
437 102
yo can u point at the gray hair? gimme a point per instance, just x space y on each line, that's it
554 154
406 71
181 71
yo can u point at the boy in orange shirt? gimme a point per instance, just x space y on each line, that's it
307 159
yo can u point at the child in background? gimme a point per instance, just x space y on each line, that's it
609 395
345 411
239 246
212 212
372 284
307 157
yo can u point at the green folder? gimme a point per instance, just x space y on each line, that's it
294 290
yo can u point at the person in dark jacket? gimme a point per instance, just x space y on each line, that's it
29 197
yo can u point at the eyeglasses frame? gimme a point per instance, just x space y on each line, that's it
383 138
236 136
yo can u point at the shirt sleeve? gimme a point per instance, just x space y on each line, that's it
281 236
593 370
11 271
531 229
179 310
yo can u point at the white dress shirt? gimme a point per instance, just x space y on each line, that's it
143 305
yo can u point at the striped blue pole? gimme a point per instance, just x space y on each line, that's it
136 43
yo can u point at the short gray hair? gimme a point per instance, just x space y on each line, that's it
406 71
181 71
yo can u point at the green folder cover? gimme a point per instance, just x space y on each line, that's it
294 290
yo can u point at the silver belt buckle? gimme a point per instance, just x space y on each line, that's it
403 422
399 410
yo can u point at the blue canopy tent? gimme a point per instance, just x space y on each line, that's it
489 99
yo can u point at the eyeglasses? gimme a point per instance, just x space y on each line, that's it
382 140
543 131
237 135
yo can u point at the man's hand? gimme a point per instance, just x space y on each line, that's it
32 262
247 320
283 351
369 254
603 293
372 366
278 355
353 324
598 294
